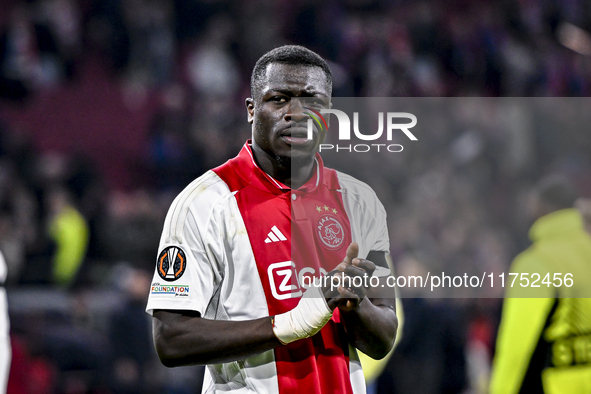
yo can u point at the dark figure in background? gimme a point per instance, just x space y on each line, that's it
130 336
430 358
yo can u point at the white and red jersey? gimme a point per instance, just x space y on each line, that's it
237 245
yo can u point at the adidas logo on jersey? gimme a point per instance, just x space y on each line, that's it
275 236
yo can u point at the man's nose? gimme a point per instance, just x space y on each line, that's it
297 112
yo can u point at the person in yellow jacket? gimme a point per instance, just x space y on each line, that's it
70 232
544 339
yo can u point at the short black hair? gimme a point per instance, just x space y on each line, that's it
287 54
557 192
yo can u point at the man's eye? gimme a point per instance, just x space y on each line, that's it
317 104
279 99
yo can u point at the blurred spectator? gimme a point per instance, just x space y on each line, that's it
134 358
130 229
174 161
152 46
29 374
80 351
480 342
211 66
5 350
108 31
69 230
17 208
136 368
63 20
433 342
584 206
29 55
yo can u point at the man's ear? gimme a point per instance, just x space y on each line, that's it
250 109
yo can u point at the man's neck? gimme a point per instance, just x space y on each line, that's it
287 172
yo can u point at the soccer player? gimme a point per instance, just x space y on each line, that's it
239 242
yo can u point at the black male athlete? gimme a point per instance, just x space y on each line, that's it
240 241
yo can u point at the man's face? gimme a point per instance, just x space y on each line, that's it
279 119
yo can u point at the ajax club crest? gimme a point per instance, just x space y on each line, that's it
171 263
330 232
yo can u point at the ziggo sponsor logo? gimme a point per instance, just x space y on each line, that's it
286 282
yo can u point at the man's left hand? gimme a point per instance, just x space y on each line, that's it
349 295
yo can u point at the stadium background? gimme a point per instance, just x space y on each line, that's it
110 107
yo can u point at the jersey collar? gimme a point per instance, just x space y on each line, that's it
250 170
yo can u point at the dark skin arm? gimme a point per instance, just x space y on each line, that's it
184 338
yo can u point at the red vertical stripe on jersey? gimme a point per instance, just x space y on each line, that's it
314 365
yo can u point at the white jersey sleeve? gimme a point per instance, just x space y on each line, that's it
369 224
187 272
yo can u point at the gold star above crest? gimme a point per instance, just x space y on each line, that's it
325 208
319 209
334 211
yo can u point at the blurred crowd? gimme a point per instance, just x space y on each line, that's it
77 226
